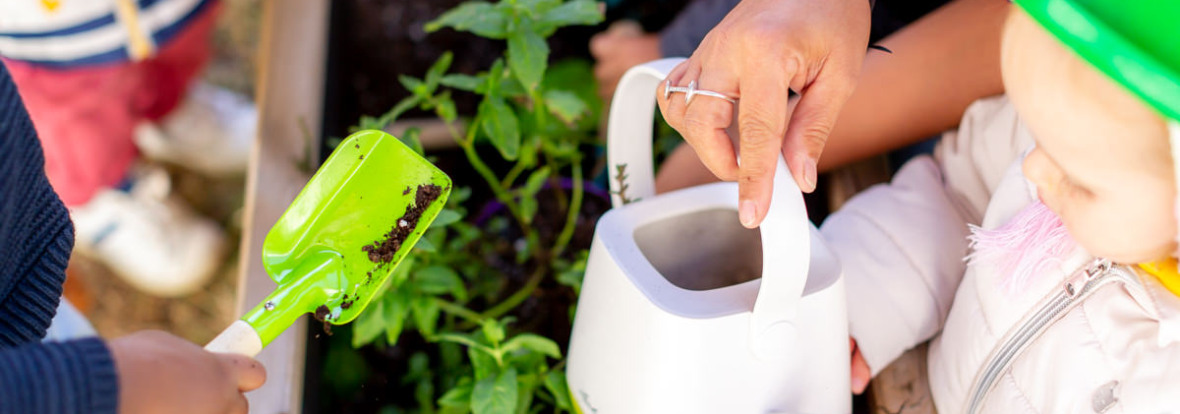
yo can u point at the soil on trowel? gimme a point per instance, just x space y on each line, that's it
383 251
321 314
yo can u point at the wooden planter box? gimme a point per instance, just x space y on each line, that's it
293 51
292 72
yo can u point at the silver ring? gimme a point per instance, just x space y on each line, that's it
691 91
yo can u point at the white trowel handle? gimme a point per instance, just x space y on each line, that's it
786 237
238 338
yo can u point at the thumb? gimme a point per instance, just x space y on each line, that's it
246 372
811 124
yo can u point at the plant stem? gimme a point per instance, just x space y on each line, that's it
494 183
571 218
458 310
517 298
513 174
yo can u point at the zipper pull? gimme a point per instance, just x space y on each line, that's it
1097 267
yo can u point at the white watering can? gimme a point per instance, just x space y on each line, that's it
673 317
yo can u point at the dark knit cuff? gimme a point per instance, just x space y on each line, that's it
66 377
32 301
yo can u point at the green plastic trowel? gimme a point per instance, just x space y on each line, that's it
342 237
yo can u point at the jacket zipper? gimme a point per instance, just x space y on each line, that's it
1076 289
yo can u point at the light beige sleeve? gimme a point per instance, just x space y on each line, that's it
902 244
973 158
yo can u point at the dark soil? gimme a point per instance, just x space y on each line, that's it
383 251
321 314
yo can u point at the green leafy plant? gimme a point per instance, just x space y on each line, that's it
539 118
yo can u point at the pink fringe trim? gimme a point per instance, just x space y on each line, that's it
1031 243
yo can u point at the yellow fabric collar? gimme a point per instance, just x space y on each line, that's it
1164 270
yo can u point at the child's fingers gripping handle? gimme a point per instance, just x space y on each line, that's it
239 338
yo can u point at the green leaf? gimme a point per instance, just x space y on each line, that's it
460 396
565 105
528 209
425 312
462 339
415 86
494 76
572 276
419 368
437 280
410 138
537 6
535 343
577 12
536 180
445 218
446 109
528 54
500 124
511 88
424 395
436 71
495 395
387 118
397 307
493 331
344 367
479 17
369 325
463 82
559 388
482 363
425 245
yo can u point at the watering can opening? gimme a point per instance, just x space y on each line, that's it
702 250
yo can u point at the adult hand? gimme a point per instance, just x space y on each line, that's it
861 374
160 373
619 48
760 52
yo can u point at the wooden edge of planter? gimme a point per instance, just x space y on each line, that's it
903 386
434 133
292 56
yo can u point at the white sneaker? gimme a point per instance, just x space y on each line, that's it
150 239
211 131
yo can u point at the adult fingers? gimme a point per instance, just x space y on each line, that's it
705 121
762 124
673 113
247 372
811 124
861 374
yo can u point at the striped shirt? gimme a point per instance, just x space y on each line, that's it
63 33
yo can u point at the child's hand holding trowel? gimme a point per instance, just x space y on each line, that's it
161 373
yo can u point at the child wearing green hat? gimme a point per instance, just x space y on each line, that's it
1063 198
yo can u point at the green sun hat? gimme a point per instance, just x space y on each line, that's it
1134 42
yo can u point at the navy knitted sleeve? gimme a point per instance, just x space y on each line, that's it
35 241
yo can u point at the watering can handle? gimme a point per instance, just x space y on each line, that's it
786 237
628 131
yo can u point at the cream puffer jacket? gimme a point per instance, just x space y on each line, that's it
1090 337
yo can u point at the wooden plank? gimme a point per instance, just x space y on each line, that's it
903 387
293 50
